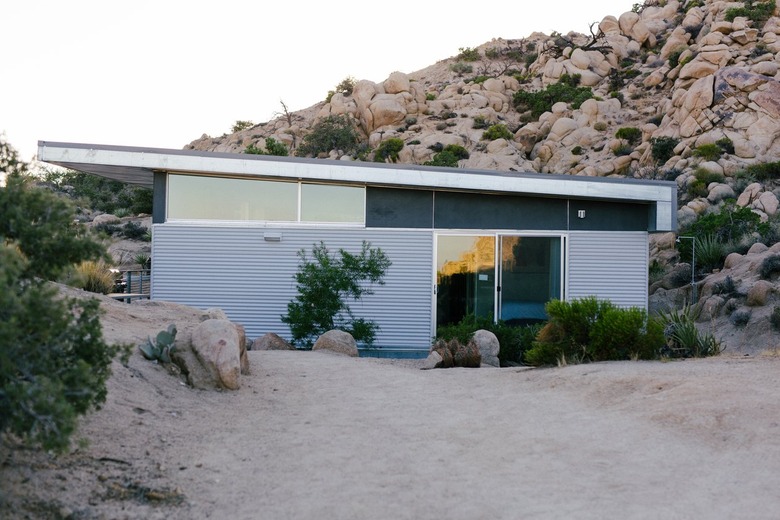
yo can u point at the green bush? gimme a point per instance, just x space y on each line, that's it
631 134
726 145
710 253
577 150
708 152
623 149
239 126
388 150
683 339
662 148
730 224
324 282
53 360
497 131
566 90
589 329
764 172
449 156
330 133
674 57
461 68
707 177
468 54
770 266
346 87
272 147
757 11
480 122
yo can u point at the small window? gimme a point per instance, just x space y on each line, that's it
326 203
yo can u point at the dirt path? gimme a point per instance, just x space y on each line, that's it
315 435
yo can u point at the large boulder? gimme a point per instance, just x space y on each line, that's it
488 346
337 341
213 355
271 341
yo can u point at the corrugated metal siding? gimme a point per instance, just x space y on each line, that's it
610 266
234 269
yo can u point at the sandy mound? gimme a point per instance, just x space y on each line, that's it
313 434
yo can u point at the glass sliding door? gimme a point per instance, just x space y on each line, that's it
530 276
465 277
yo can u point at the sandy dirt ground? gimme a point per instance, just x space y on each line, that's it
317 435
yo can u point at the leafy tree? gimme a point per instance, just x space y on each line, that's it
53 360
346 87
330 133
324 282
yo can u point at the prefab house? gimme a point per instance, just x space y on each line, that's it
227 229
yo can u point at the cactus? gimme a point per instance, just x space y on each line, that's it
160 349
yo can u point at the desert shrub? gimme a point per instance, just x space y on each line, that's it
683 339
430 96
497 131
388 150
756 10
93 276
480 122
461 68
566 90
631 134
589 329
600 126
662 148
324 282
239 126
345 87
468 54
624 334
770 266
696 188
449 156
655 271
726 145
706 176
730 224
329 133
725 287
623 149
53 360
133 231
764 171
577 150
480 79
740 317
774 318
708 152
674 57
272 147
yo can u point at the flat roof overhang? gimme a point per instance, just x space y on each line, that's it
137 165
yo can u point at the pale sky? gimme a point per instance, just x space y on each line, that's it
160 73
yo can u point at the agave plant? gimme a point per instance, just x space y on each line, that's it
160 348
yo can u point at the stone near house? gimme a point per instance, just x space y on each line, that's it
271 341
105 218
213 355
434 360
720 192
337 341
757 249
732 260
488 346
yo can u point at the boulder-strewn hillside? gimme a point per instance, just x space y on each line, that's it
677 90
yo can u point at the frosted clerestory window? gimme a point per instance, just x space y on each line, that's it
193 197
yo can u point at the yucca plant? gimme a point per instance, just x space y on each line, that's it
683 339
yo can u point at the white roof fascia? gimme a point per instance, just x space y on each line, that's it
662 194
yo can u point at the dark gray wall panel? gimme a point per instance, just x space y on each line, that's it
397 208
609 216
159 197
476 211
